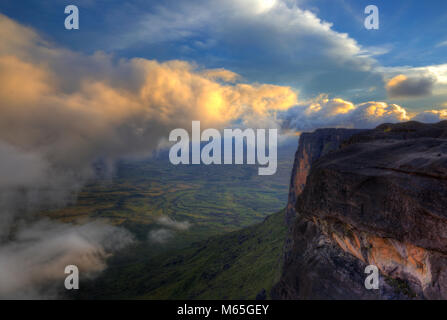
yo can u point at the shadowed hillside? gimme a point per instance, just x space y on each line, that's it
238 265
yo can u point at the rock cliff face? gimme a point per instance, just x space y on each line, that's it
378 198
311 147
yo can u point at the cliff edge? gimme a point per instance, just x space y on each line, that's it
371 197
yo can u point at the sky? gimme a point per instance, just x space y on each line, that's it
314 46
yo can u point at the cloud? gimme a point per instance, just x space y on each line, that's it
371 114
221 74
437 72
403 86
323 112
431 78
272 42
28 184
64 113
33 265
431 116
161 236
171 223
263 40
66 118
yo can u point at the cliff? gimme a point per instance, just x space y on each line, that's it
377 199
311 147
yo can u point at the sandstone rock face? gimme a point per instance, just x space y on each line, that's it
311 147
380 199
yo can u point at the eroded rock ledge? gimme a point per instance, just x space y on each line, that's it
378 197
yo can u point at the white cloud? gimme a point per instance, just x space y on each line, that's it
266 40
174 224
431 116
63 112
274 41
63 115
326 113
423 87
33 265
160 236
163 235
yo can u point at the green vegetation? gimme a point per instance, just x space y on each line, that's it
228 251
236 265
214 199
401 286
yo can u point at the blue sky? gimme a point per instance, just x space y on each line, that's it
413 26
315 46
409 29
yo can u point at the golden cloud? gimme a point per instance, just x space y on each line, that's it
416 86
396 80
383 110
65 103
329 107
221 74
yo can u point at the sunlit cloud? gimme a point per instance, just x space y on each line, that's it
66 111
431 116
271 41
403 86
323 112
